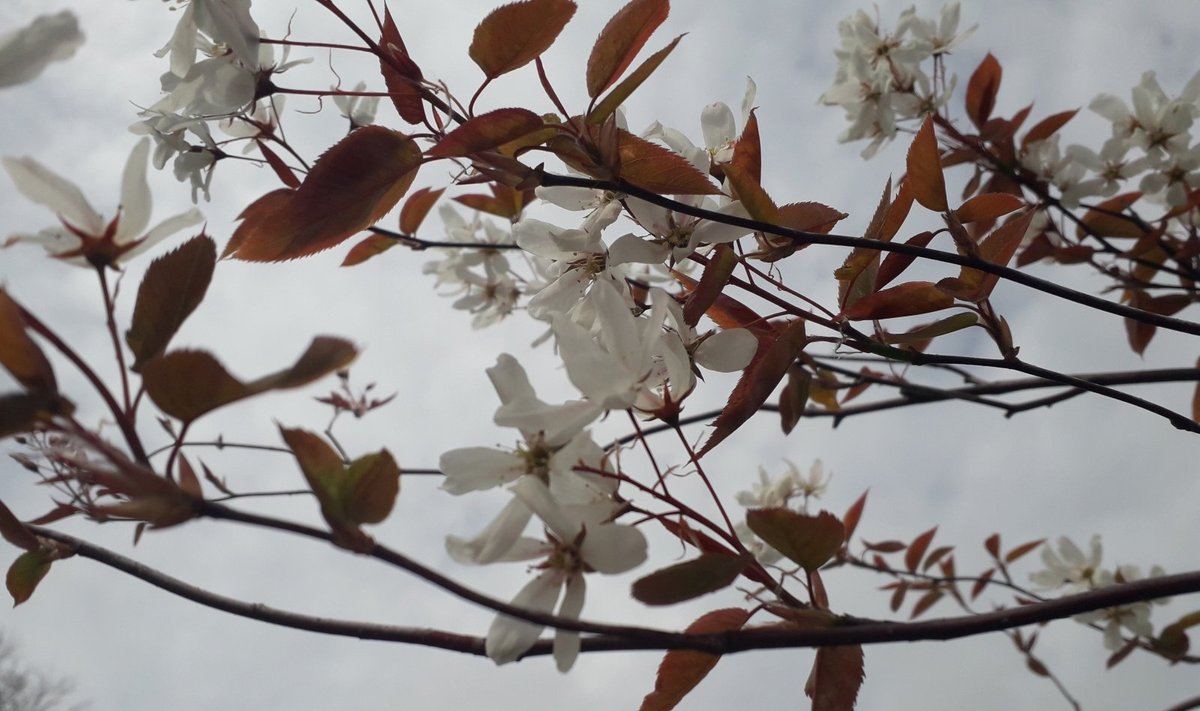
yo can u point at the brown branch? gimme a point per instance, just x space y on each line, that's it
847 631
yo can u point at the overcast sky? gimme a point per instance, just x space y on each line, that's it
1088 466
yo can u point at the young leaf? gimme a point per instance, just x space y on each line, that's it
416 207
20 412
486 131
401 74
682 669
941 327
916 549
1047 127
188 384
172 288
982 90
988 206
351 186
620 41
371 246
721 263
925 170
652 167
19 355
369 488
758 381
908 299
794 397
895 263
837 675
513 35
853 515
752 195
1103 221
16 532
997 248
322 467
810 541
26 572
689 579
629 84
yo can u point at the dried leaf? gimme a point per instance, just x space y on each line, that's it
350 187
682 669
690 579
486 131
174 285
809 541
620 41
925 170
513 35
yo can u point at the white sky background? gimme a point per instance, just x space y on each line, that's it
1086 466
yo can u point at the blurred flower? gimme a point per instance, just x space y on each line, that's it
85 238
1069 567
26 52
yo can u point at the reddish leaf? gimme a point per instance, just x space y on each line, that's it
16 532
925 170
997 248
916 549
751 194
747 150
620 41
1104 221
988 206
351 186
886 546
982 90
282 171
908 299
926 601
689 579
1023 549
26 572
837 675
19 355
853 514
371 246
400 73
794 397
682 669
416 207
981 582
485 132
187 384
758 381
929 331
935 555
513 35
895 263
20 412
1047 127
188 481
630 84
172 288
810 541
721 263
857 275
809 217
652 167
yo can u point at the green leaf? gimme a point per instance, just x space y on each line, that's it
172 288
809 541
690 579
369 488
26 572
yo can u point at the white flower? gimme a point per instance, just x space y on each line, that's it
359 110
1134 617
26 52
1069 567
226 23
579 539
85 237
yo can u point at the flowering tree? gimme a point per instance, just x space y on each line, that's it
652 264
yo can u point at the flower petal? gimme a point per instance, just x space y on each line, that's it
566 642
45 187
135 195
509 637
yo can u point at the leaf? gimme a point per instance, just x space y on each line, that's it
1022 550
16 532
747 150
174 285
322 467
682 669
26 572
757 382
1103 221
349 188
370 487
1173 640
721 263
794 397
853 515
1047 127
20 412
987 206
908 299
370 247
513 35
895 263
416 207
19 355
486 131
187 384
926 601
925 170
751 194
941 327
285 174
690 579
401 74
916 549
982 90
651 167
810 541
629 84
837 675
620 41
997 248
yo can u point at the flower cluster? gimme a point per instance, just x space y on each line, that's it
1071 570
793 488
880 79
